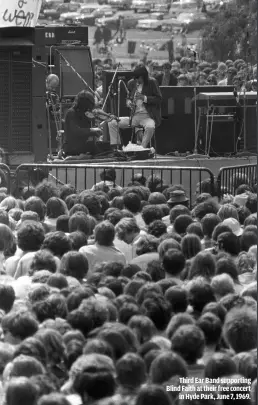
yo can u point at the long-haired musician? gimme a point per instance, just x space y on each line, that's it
144 99
79 135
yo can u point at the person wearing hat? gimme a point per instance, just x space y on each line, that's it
178 197
166 78
144 100
79 137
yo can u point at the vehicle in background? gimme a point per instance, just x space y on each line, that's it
56 9
178 7
142 5
88 14
193 21
130 21
161 8
154 23
171 25
120 4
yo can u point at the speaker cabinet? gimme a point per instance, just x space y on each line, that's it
65 61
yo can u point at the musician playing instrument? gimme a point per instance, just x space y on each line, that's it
79 135
144 99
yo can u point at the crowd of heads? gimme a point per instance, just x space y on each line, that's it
190 72
116 295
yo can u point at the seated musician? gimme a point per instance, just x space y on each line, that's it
79 136
144 99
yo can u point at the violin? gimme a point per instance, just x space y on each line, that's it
99 114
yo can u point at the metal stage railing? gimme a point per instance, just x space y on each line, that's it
84 176
231 176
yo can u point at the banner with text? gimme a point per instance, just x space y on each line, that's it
19 13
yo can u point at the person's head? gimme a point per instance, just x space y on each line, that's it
173 262
247 364
43 260
248 239
91 201
62 223
104 233
166 365
127 229
219 365
199 293
84 101
32 347
240 329
177 210
182 80
141 74
177 298
18 325
53 343
55 207
190 245
203 265
196 229
79 221
143 327
227 211
52 82
30 236
21 391
251 203
229 243
189 342
181 223
147 244
151 213
132 202
131 372
45 190
226 265
57 242
211 326
209 206
74 264
36 205
222 285
7 241
9 203
151 395
7 297
209 222
139 178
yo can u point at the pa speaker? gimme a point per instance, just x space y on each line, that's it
39 129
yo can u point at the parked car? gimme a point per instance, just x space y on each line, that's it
150 24
88 14
120 4
143 5
161 8
130 21
193 21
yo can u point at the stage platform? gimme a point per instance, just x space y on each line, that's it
213 163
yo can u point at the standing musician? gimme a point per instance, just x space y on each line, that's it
53 101
144 99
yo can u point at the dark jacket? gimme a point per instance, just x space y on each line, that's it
172 79
76 132
98 36
154 97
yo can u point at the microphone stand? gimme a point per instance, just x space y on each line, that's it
110 87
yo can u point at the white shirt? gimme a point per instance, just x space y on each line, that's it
97 254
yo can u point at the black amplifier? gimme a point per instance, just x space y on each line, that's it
64 35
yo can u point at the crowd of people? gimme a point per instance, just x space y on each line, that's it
187 71
123 295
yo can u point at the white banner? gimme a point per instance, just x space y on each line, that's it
19 13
